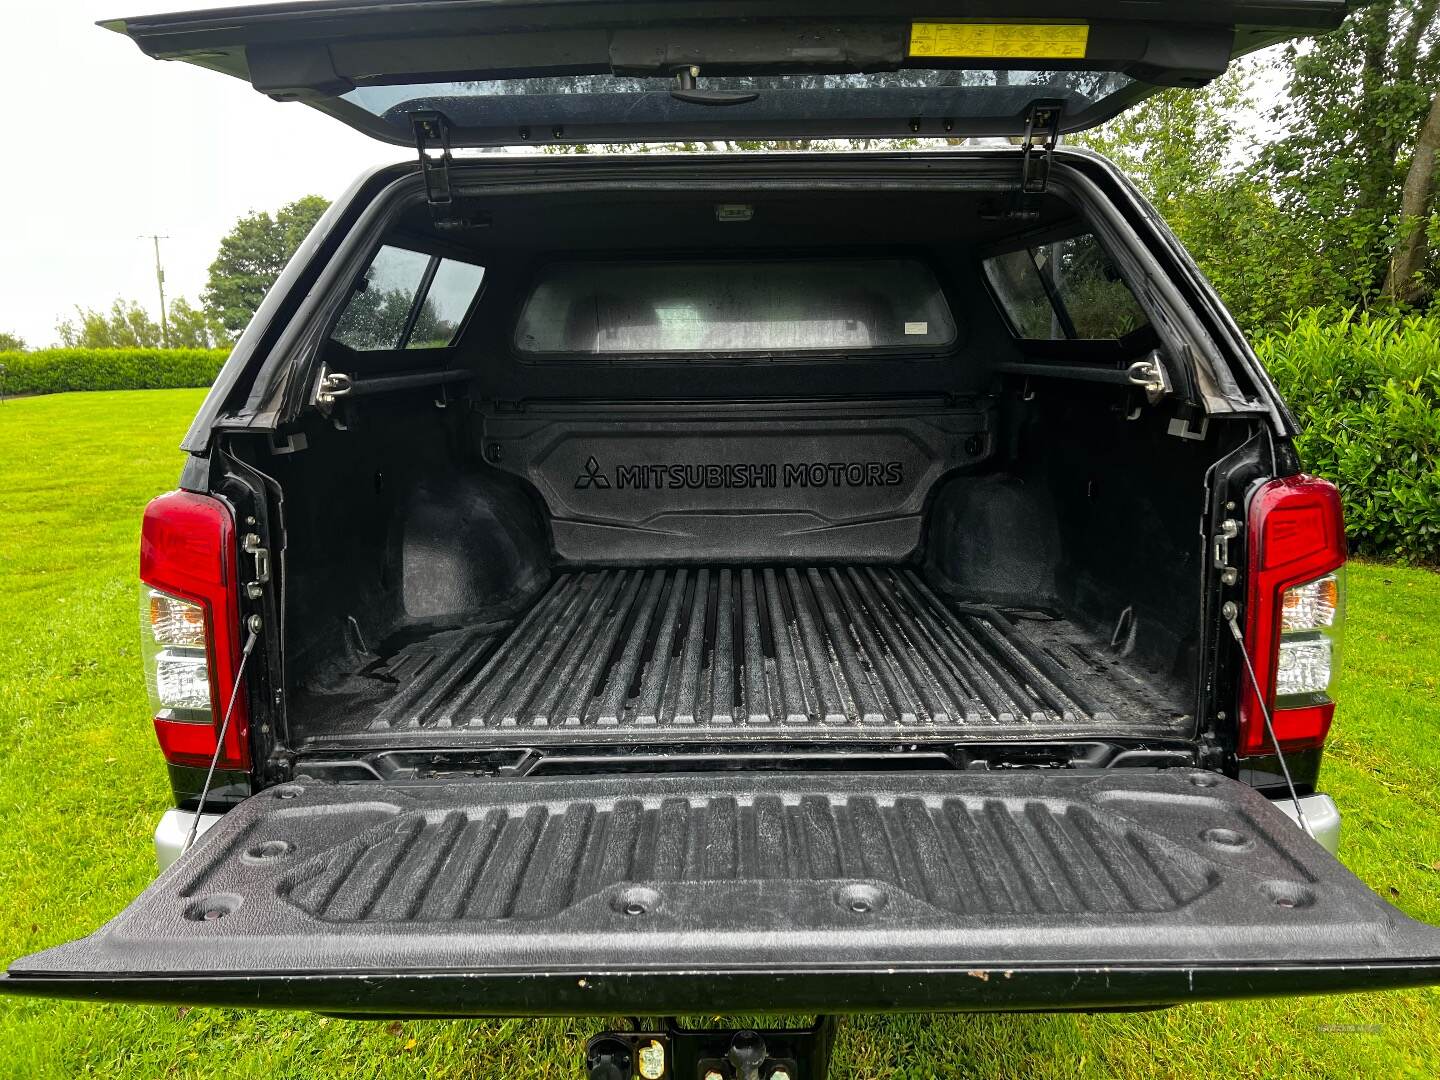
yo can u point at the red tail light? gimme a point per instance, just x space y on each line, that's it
190 628
1295 611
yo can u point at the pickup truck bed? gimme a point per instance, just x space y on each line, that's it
710 649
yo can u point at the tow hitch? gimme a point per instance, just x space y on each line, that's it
676 1053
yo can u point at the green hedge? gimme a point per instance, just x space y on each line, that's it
52 371
1366 391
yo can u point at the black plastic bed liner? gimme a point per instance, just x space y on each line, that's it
793 649
652 894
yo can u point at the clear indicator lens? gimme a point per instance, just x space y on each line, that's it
175 651
182 680
1311 606
1304 665
174 621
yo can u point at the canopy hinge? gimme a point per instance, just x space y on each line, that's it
1042 134
432 130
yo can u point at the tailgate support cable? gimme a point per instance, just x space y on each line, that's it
1230 613
253 623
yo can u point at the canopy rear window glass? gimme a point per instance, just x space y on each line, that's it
734 308
550 101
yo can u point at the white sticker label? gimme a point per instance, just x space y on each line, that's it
652 1060
917 328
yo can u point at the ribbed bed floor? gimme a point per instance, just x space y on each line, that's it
784 648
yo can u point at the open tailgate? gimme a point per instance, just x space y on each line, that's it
689 893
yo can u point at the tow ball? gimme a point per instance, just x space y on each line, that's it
671 1052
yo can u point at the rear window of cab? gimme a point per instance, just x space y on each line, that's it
734 308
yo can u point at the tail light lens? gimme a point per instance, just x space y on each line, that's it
189 629
1295 611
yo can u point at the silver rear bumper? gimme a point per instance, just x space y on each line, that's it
170 834
1323 816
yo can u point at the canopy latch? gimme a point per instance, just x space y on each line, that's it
431 129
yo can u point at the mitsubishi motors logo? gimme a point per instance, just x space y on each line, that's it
592 477
653 476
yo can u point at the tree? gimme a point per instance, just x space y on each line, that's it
1337 211
1403 278
127 325
194 327
12 342
251 256
1354 124
1188 153
1177 142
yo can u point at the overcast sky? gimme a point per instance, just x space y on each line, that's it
106 144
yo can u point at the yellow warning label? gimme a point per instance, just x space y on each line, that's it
1041 41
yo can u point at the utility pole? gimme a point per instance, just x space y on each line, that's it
160 281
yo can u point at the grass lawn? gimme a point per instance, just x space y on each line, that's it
81 783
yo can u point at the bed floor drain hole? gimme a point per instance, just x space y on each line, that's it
860 899
212 908
1228 839
1288 894
635 901
289 791
1201 779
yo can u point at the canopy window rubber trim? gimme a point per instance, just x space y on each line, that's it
646 893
